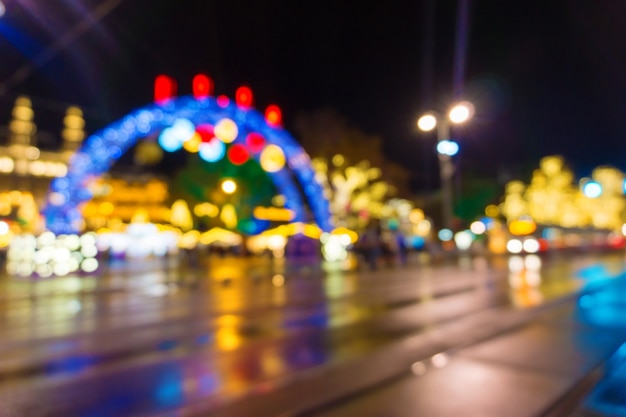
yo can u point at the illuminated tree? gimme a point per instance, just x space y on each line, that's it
356 193
607 210
324 134
358 178
552 197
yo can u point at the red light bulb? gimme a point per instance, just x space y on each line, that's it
202 86
164 89
273 115
243 96
238 154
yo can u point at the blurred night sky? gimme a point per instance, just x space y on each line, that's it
546 77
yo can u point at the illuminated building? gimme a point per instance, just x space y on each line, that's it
26 169
119 201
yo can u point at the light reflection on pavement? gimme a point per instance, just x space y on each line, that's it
146 341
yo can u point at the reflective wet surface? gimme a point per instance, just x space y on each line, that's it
159 338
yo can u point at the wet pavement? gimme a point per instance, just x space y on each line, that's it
260 338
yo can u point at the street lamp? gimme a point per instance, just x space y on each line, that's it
446 148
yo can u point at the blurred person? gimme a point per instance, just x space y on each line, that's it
402 248
370 245
388 247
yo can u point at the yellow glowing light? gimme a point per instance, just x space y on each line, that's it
347 232
278 200
106 208
273 213
181 216
551 165
140 216
189 240
497 242
416 215
374 173
229 186
218 234
226 130
229 216
193 144
227 338
427 122
492 210
278 280
206 209
148 153
309 230
272 158
15 197
522 227
423 228
461 112
338 160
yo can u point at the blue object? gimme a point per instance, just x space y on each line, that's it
175 119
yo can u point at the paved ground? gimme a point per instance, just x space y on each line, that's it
259 339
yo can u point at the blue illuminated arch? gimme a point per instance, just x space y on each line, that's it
101 150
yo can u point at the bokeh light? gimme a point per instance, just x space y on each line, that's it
169 141
272 158
226 130
463 239
193 144
478 227
514 246
223 101
202 86
229 186
164 88
238 154
273 115
255 142
531 245
592 189
212 151
448 147
445 235
427 122
461 112
243 96
206 132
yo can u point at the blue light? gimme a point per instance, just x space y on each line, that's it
448 147
212 151
445 235
592 189
417 242
169 141
169 389
60 184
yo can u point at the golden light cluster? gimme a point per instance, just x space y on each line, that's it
356 193
553 198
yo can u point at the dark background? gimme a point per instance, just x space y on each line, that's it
546 77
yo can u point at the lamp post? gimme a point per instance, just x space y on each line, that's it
446 149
